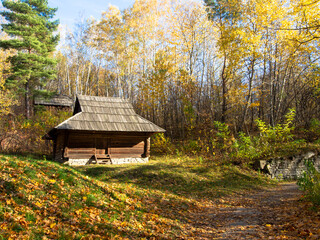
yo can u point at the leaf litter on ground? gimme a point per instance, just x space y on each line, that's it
168 198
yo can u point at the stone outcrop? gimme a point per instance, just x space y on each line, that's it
288 167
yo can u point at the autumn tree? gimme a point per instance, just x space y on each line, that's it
6 96
227 18
31 30
185 64
307 19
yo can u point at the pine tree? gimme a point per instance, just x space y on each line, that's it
32 34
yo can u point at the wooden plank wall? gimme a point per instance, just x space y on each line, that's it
127 147
102 145
80 141
116 146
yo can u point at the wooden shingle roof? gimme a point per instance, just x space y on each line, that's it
57 100
107 114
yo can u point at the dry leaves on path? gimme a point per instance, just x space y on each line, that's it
278 213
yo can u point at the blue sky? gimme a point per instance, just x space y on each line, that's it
71 10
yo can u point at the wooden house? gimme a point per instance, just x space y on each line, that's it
102 130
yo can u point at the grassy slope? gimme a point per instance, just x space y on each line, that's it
155 200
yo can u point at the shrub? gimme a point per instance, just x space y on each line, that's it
246 147
278 133
310 183
269 140
25 135
161 144
313 132
222 137
193 147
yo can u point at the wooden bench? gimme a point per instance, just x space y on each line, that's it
87 153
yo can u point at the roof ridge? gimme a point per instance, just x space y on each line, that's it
101 97
114 114
105 107
116 122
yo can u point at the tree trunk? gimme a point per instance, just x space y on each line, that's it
249 97
224 91
27 101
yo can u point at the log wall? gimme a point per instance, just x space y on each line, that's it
117 146
126 147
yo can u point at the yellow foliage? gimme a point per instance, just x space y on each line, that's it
6 97
161 144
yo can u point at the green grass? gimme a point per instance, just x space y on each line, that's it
180 176
156 200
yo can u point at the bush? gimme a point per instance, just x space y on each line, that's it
310 183
25 135
280 132
161 144
271 139
221 139
246 147
313 132
192 147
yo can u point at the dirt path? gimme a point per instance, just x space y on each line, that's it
277 213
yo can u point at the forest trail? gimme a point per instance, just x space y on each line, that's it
276 213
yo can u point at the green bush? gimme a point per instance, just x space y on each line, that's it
193 147
269 140
313 132
246 146
280 132
310 183
222 138
315 126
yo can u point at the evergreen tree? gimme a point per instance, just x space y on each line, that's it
32 34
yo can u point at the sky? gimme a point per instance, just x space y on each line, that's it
72 11
69 11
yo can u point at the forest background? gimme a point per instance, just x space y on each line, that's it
232 81
213 74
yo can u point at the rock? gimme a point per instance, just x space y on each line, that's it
308 155
260 164
268 168
287 168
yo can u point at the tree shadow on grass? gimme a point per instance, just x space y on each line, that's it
176 208
172 179
164 177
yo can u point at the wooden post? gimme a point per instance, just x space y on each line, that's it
146 152
65 142
54 148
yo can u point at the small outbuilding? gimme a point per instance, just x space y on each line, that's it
102 130
57 101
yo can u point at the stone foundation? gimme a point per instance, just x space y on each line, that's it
288 167
81 162
78 162
129 160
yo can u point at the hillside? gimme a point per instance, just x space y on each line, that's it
40 198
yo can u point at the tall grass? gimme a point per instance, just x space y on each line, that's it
310 183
